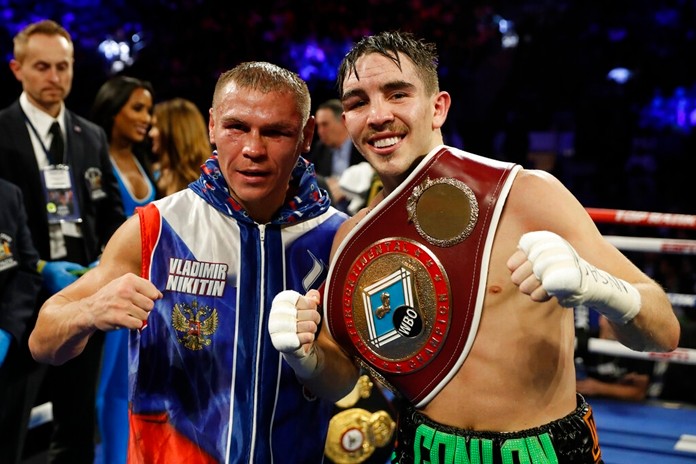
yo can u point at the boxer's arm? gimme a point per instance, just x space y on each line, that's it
108 296
637 306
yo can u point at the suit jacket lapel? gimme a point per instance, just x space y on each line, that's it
27 161
76 146
18 126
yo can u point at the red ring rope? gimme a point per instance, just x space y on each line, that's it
642 218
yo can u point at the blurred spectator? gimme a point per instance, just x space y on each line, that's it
180 144
123 108
677 384
359 183
613 376
334 152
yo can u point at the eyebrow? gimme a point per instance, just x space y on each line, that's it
397 85
49 63
384 88
279 126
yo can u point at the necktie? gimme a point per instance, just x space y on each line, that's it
56 150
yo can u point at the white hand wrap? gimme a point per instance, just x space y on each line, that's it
573 281
282 326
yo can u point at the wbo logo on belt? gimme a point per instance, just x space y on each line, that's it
404 292
401 313
403 310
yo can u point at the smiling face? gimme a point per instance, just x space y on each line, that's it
390 117
132 122
259 137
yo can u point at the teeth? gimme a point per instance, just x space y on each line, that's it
386 142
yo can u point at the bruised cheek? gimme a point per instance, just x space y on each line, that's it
223 140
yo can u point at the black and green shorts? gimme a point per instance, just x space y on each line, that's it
569 440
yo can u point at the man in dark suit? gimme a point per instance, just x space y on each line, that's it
334 152
19 283
73 203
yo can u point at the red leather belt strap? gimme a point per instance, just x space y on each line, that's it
404 303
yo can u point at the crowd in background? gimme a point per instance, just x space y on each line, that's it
554 78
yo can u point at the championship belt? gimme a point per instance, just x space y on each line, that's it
354 434
363 431
405 291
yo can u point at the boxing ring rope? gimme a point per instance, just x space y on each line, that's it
614 348
642 218
653 245
682 299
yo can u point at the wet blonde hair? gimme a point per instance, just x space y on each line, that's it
267 77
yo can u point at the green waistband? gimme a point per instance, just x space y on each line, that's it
438 447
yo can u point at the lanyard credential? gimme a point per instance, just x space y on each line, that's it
43 147
62 207
61 200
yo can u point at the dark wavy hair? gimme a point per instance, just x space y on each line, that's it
394 45
112 96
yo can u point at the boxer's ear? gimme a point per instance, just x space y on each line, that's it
441 106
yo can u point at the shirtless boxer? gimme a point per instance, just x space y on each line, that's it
481 260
